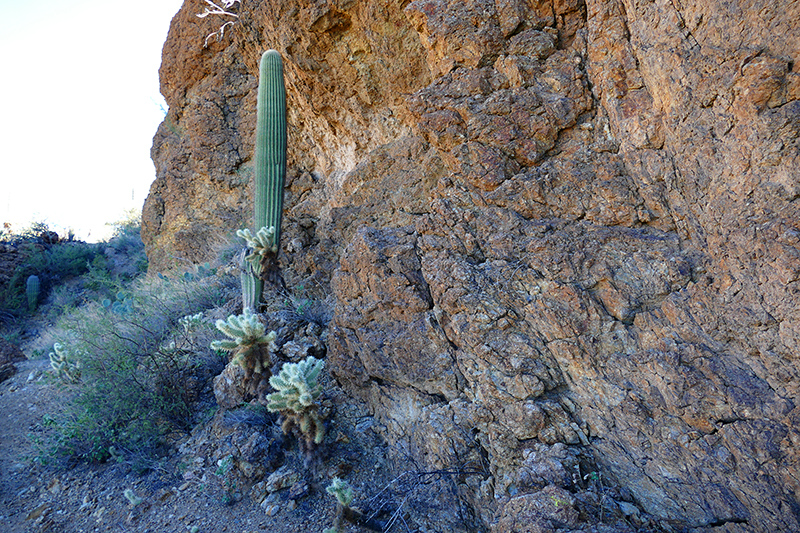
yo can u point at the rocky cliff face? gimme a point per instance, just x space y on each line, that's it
548 226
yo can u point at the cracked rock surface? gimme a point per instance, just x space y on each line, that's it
551 229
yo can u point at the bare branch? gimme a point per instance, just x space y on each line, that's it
217 10
222 11
220 33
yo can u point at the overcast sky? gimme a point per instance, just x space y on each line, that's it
80 105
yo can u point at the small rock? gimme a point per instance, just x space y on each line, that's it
298 490
87 502
40 511
281 478
628 509
272 510
54 486
163 495
267 500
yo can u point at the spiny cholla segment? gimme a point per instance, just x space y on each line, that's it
297 386
260 244
298 391
245 330
341 489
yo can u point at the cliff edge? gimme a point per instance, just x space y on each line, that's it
548 226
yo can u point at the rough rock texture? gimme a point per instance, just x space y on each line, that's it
9 353
553 230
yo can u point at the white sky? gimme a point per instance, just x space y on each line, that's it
79 105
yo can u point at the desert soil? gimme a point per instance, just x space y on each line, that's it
183 493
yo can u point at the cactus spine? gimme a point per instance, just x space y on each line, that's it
270 156
32 288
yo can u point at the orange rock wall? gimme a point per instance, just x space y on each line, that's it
547 226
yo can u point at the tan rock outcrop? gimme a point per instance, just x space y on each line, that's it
551 229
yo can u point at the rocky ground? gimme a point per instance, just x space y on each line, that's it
237 473
188 491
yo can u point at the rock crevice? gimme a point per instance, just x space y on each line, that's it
552 230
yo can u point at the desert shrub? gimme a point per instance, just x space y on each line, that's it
300 305
103 268
51 263
36 232
125 249
144 359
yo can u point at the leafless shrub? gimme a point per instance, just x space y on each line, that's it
223 10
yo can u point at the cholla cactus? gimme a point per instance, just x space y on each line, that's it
341 489
344 497
62 364
245 330
191 322
260 244
251 345
260 247
298 391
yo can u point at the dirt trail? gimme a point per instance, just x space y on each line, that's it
24 399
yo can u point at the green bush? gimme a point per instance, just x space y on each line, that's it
52 264
125 249
102 267
143 364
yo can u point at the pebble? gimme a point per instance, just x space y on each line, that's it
272 510
87 502
42 510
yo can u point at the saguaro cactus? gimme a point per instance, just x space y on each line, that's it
32 288
270 156
270 172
